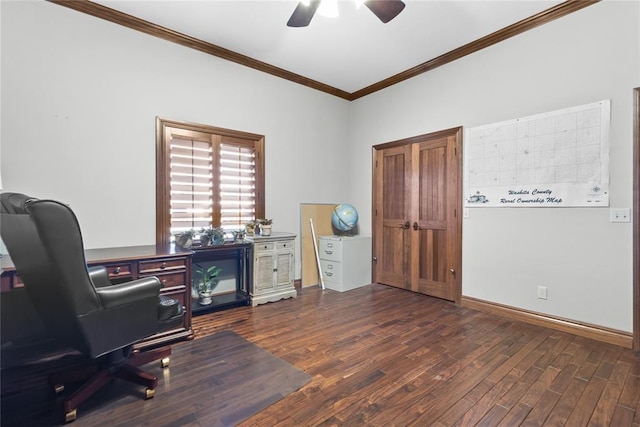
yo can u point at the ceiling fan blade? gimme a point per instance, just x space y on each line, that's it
302 15
385 10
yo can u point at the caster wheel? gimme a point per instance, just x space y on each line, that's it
70 416
149 393
165 362
58 388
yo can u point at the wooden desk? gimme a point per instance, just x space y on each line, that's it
172 266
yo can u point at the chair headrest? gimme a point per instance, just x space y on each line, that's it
15 203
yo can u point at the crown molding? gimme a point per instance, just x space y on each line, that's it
106 13
520 27
126 20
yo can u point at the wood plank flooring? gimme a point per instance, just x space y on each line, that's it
381 356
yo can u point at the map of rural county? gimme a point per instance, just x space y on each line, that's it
560 158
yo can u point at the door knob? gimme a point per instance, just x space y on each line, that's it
452 271
416 226
406 225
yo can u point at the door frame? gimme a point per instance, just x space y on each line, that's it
636 219
457 133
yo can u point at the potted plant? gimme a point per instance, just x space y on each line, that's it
207 283
238 236
185 239
211 236
250 227
265 226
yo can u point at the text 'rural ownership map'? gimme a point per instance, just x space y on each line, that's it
555 159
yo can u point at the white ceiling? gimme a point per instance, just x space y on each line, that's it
350 52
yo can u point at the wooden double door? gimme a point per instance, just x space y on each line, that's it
417 214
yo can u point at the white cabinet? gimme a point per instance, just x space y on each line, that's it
273 264
345 261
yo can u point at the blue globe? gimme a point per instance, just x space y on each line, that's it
344 217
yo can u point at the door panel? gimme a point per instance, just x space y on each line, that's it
391 247
418 181
434 210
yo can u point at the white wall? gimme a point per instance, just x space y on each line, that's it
583 259
79 100
80 96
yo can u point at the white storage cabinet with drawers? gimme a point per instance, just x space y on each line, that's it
345 261
273 264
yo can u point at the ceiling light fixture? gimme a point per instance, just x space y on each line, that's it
328 8
302 15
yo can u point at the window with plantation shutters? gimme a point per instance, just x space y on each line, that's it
206 176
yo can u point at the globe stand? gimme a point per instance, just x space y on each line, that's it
348 233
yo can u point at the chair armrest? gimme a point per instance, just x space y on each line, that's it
129 292
99 276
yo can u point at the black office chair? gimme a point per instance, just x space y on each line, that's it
78 306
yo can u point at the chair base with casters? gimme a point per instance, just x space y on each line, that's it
97 374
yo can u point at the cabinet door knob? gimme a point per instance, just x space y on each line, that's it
163 265
116 270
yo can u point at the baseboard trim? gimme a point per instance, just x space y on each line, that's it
611 336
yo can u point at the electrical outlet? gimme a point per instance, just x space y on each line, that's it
542 292
620 215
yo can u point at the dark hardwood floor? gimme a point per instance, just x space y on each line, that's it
381 356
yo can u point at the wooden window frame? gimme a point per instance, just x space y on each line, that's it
163 199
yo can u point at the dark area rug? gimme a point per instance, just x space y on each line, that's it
217 380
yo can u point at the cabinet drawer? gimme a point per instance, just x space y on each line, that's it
330 249
17 281
331 271
284 245
121 270
175 293
179 293
157 266
260 247
11 280
171 279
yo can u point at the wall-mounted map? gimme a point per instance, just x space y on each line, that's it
555 159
